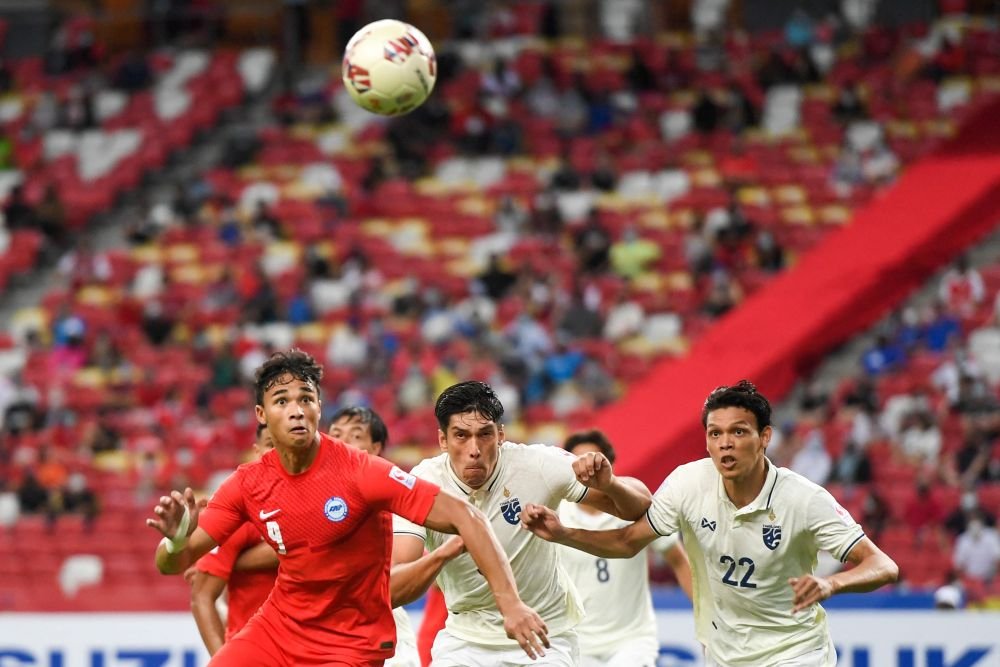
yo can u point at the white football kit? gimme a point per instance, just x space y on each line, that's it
619 629
524 474
742 558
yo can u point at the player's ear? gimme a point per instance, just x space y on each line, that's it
258 411
442 441
500 435
765 436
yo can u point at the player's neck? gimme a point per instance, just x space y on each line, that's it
296 460
742 491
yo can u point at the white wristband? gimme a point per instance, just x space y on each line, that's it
179 541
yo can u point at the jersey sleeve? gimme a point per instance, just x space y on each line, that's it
225 511
220 561
556 466
388 487
662 514
832 527
402 527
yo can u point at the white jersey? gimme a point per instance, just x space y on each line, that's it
524 474
614 591
742 558
406 641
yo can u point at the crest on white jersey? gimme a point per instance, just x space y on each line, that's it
772 536
511 510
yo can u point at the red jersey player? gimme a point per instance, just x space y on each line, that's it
215 572
325 508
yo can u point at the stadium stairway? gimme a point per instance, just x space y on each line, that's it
939 207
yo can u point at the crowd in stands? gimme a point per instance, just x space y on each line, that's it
556 217
910 442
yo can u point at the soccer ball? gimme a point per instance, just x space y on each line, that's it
389 67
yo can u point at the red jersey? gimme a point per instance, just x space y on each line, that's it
331 527
247 590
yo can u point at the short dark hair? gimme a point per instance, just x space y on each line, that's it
744 395
294 362
470 396
376 426
592 437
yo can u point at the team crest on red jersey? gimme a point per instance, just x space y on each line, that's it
335 509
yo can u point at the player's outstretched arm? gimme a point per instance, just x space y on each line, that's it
413 571
205 590
452 515
260 557
624 497
183 542
621 543
872 569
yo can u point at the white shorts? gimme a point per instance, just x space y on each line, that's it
639 653
406 656
822 657
449 651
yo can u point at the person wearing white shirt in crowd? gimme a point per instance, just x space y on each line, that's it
500 478
619 629
753 533
977 551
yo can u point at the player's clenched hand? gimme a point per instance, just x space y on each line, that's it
542 521
452 548
170 512
593 470
809 590
528 629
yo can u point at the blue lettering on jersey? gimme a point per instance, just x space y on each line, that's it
335 509
511 510
705 523
772 536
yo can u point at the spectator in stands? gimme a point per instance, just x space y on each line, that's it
977 551
625 317
949 596
50 216
79 498
853 466
17 212
723 294
581 317
884 356
134 73
632 255
768 254
923 514
511 217
496 279
849 106
593 245
706 114
157 324
962 288
974 461
920 443
968 510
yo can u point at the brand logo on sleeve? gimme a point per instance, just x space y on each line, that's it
511 510
404 478
772 536
335 509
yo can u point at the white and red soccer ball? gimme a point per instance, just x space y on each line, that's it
389 67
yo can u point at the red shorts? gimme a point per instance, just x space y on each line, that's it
255 647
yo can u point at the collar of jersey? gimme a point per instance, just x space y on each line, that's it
763 499
488 486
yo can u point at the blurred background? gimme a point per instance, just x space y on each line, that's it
605 209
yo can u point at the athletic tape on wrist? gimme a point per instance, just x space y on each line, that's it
180 538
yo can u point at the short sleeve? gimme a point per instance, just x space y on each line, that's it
662 513
220 561
401 526
225 512
832 527
388 487
556 466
